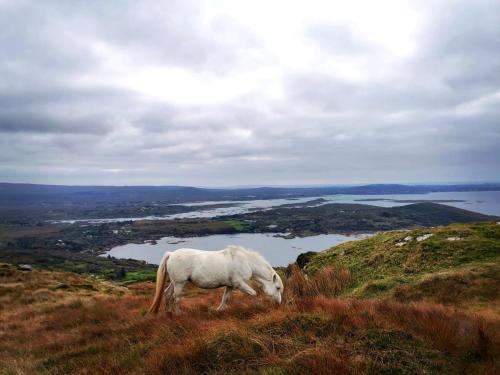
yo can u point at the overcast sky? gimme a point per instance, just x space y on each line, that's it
219 93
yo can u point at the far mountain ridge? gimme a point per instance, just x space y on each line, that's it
34 193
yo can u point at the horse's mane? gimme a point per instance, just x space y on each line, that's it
252 254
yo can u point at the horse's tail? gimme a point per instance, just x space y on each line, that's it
161 276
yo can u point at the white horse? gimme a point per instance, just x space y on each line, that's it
231 268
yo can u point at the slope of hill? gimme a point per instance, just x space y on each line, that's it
458 264
61 323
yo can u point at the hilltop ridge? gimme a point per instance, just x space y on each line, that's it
458 264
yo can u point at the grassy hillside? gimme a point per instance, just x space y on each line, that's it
63 323
457 264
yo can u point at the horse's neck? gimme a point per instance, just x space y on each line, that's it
260 269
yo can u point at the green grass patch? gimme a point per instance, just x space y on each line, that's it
238 225
380 264
138 276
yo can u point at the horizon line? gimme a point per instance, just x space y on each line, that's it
289 186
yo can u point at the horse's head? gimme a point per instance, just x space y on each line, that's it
273 287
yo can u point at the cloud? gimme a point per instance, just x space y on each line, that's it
231 93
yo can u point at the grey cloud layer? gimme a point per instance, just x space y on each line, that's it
434 117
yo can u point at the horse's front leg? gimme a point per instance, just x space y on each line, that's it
246 288
228 291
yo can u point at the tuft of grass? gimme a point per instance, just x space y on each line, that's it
233 350
328 281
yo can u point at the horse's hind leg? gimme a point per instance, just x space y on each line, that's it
169 291
178 286
228 291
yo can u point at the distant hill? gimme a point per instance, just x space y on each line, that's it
11 193
350 218
457 264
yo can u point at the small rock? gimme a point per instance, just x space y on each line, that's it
454 238
408 238
424 237
25 267
401 244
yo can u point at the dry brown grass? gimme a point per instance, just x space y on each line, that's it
101 333
328 281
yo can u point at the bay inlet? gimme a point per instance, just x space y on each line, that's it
277 250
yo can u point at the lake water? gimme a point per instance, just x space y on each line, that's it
278 251
485 202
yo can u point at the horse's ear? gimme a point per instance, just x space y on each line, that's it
274 278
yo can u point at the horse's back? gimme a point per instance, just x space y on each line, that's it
186 254
207 269
186 257
197 265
